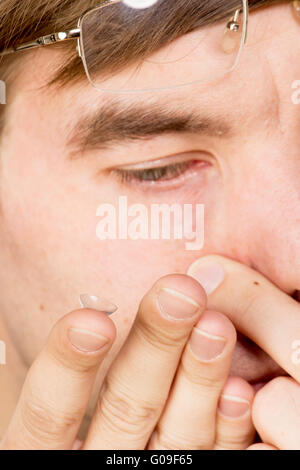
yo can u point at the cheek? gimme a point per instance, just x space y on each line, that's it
50 229
50 220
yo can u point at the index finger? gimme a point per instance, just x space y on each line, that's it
258 309
57 388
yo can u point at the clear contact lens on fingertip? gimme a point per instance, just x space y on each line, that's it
97 303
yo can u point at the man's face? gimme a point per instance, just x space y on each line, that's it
244 167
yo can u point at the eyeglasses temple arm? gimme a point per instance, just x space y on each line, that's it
73 34
246 6
44 41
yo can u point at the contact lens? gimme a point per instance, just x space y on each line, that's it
97 303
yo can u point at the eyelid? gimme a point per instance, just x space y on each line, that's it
165 161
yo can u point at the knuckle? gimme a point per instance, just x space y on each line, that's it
121 412
272 388
193 375
44 423
275 398
265 398
258 407
234 441
177 441
250 302
79 364
164 340
277 390
275 386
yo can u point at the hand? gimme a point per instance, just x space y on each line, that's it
271 319
165 389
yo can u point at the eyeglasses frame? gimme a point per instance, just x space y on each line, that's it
76 33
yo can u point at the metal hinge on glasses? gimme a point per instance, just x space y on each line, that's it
233 24
45 40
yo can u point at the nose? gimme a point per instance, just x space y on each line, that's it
265 235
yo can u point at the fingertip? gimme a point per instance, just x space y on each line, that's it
239 387
173 299
185 284
216 323
82 332
261 446
236 398
91 319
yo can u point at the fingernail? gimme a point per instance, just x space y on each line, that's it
86 340
205 345
209 275
176 305
234 407
96 303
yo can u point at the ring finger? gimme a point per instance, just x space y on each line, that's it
189 418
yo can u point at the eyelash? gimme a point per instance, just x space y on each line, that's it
152 175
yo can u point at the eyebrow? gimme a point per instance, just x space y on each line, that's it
118 122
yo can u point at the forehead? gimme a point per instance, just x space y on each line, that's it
267 38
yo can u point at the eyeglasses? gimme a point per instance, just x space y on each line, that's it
115 29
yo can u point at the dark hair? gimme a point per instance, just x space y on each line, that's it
26 20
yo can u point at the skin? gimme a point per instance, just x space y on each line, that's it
250 189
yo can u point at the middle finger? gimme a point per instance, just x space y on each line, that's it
139 381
